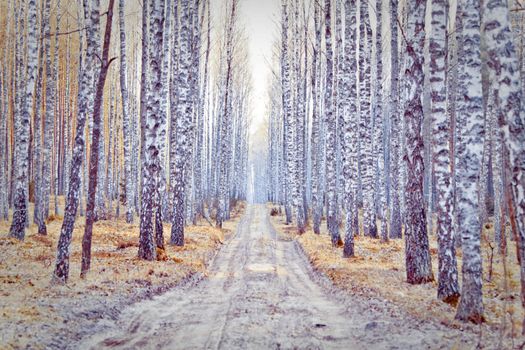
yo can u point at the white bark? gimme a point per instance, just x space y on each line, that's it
418 263
395 214
151 164
379 155
22 121
350 128
86 72
183 122
448 286
470 128
126 116
316 124
331 133
365 123
504 72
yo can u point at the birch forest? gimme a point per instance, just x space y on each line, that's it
246 174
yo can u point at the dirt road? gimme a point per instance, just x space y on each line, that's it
261 293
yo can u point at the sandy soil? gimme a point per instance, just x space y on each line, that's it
261 293
37 315
378 273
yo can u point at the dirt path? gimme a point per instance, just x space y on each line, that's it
262 294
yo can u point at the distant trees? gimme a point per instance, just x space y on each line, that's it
227 145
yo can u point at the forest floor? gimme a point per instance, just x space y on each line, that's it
35 314
378 272
262 293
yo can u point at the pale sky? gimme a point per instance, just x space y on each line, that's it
260 19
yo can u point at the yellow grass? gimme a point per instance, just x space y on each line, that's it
26 295
378 271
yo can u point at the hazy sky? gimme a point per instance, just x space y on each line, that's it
260 20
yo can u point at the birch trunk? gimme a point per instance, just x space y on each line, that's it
37 138
151 164
470 128
316 124
448 286
299 134
331 133
126 116
183 123
504 71
61 272
395 214
379 155
350 128
22 120
418 264
94 156
48 130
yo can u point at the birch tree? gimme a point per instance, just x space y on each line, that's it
85 94
365 125
126 122
316 123
448 286
417 252
350 129
173 105
291 116
379 125
151 163
22 122
58 112
300 116
48 134
203 90
94 156
183 122
37 133
331 134
395 214
470 124
4 210
504 74
226 118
